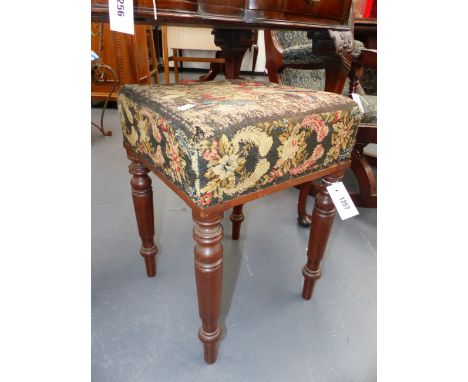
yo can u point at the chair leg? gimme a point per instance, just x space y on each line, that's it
176 66
142 194
237 217
208 233
167 78
367 196
321 223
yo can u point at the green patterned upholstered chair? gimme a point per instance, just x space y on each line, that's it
289 61
219 145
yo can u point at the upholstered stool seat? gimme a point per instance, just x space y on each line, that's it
217 141
219 145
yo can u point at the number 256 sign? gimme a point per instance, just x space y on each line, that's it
121 16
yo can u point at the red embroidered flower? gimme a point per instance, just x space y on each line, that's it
318 152
251 83
314 122
211 154
275 174
164 126
212 97
206 199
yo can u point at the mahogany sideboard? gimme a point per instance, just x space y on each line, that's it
233 22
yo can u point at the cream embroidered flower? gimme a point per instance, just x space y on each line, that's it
226 166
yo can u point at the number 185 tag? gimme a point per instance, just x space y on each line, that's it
342 201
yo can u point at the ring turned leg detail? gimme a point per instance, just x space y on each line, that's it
208 233
142 194
237 217
321 223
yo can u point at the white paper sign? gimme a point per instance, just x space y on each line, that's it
342 201
155 11
357 99
121 16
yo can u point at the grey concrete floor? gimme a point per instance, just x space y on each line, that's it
145 329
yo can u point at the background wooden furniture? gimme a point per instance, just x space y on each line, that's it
186 38
234 20
132 57
367 133
309 73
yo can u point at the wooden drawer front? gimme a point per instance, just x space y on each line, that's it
185 5
321 8
222 7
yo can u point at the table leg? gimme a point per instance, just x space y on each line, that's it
234 44
208 233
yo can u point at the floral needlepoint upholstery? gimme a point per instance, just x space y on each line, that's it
219 140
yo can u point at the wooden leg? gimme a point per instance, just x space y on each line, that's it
254 59
234 44
215 69
237 217
367 196
176 66
143 203
302 217
208 233
167 78
321 223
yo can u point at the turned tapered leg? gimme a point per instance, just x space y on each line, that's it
302 217
237 217
321 223
143 204
208 233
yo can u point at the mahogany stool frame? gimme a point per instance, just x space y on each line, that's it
208 233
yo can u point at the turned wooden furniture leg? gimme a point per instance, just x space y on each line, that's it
208 233
302 217
321 223
237 217
176 66
143 203
167 78
367 196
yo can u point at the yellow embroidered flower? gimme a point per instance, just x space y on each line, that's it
292 150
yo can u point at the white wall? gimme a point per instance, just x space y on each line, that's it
246 63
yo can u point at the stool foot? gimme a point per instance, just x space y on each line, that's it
237 217
149 254
142 194
208 233
321 223
210 344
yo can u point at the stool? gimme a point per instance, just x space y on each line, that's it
219 145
